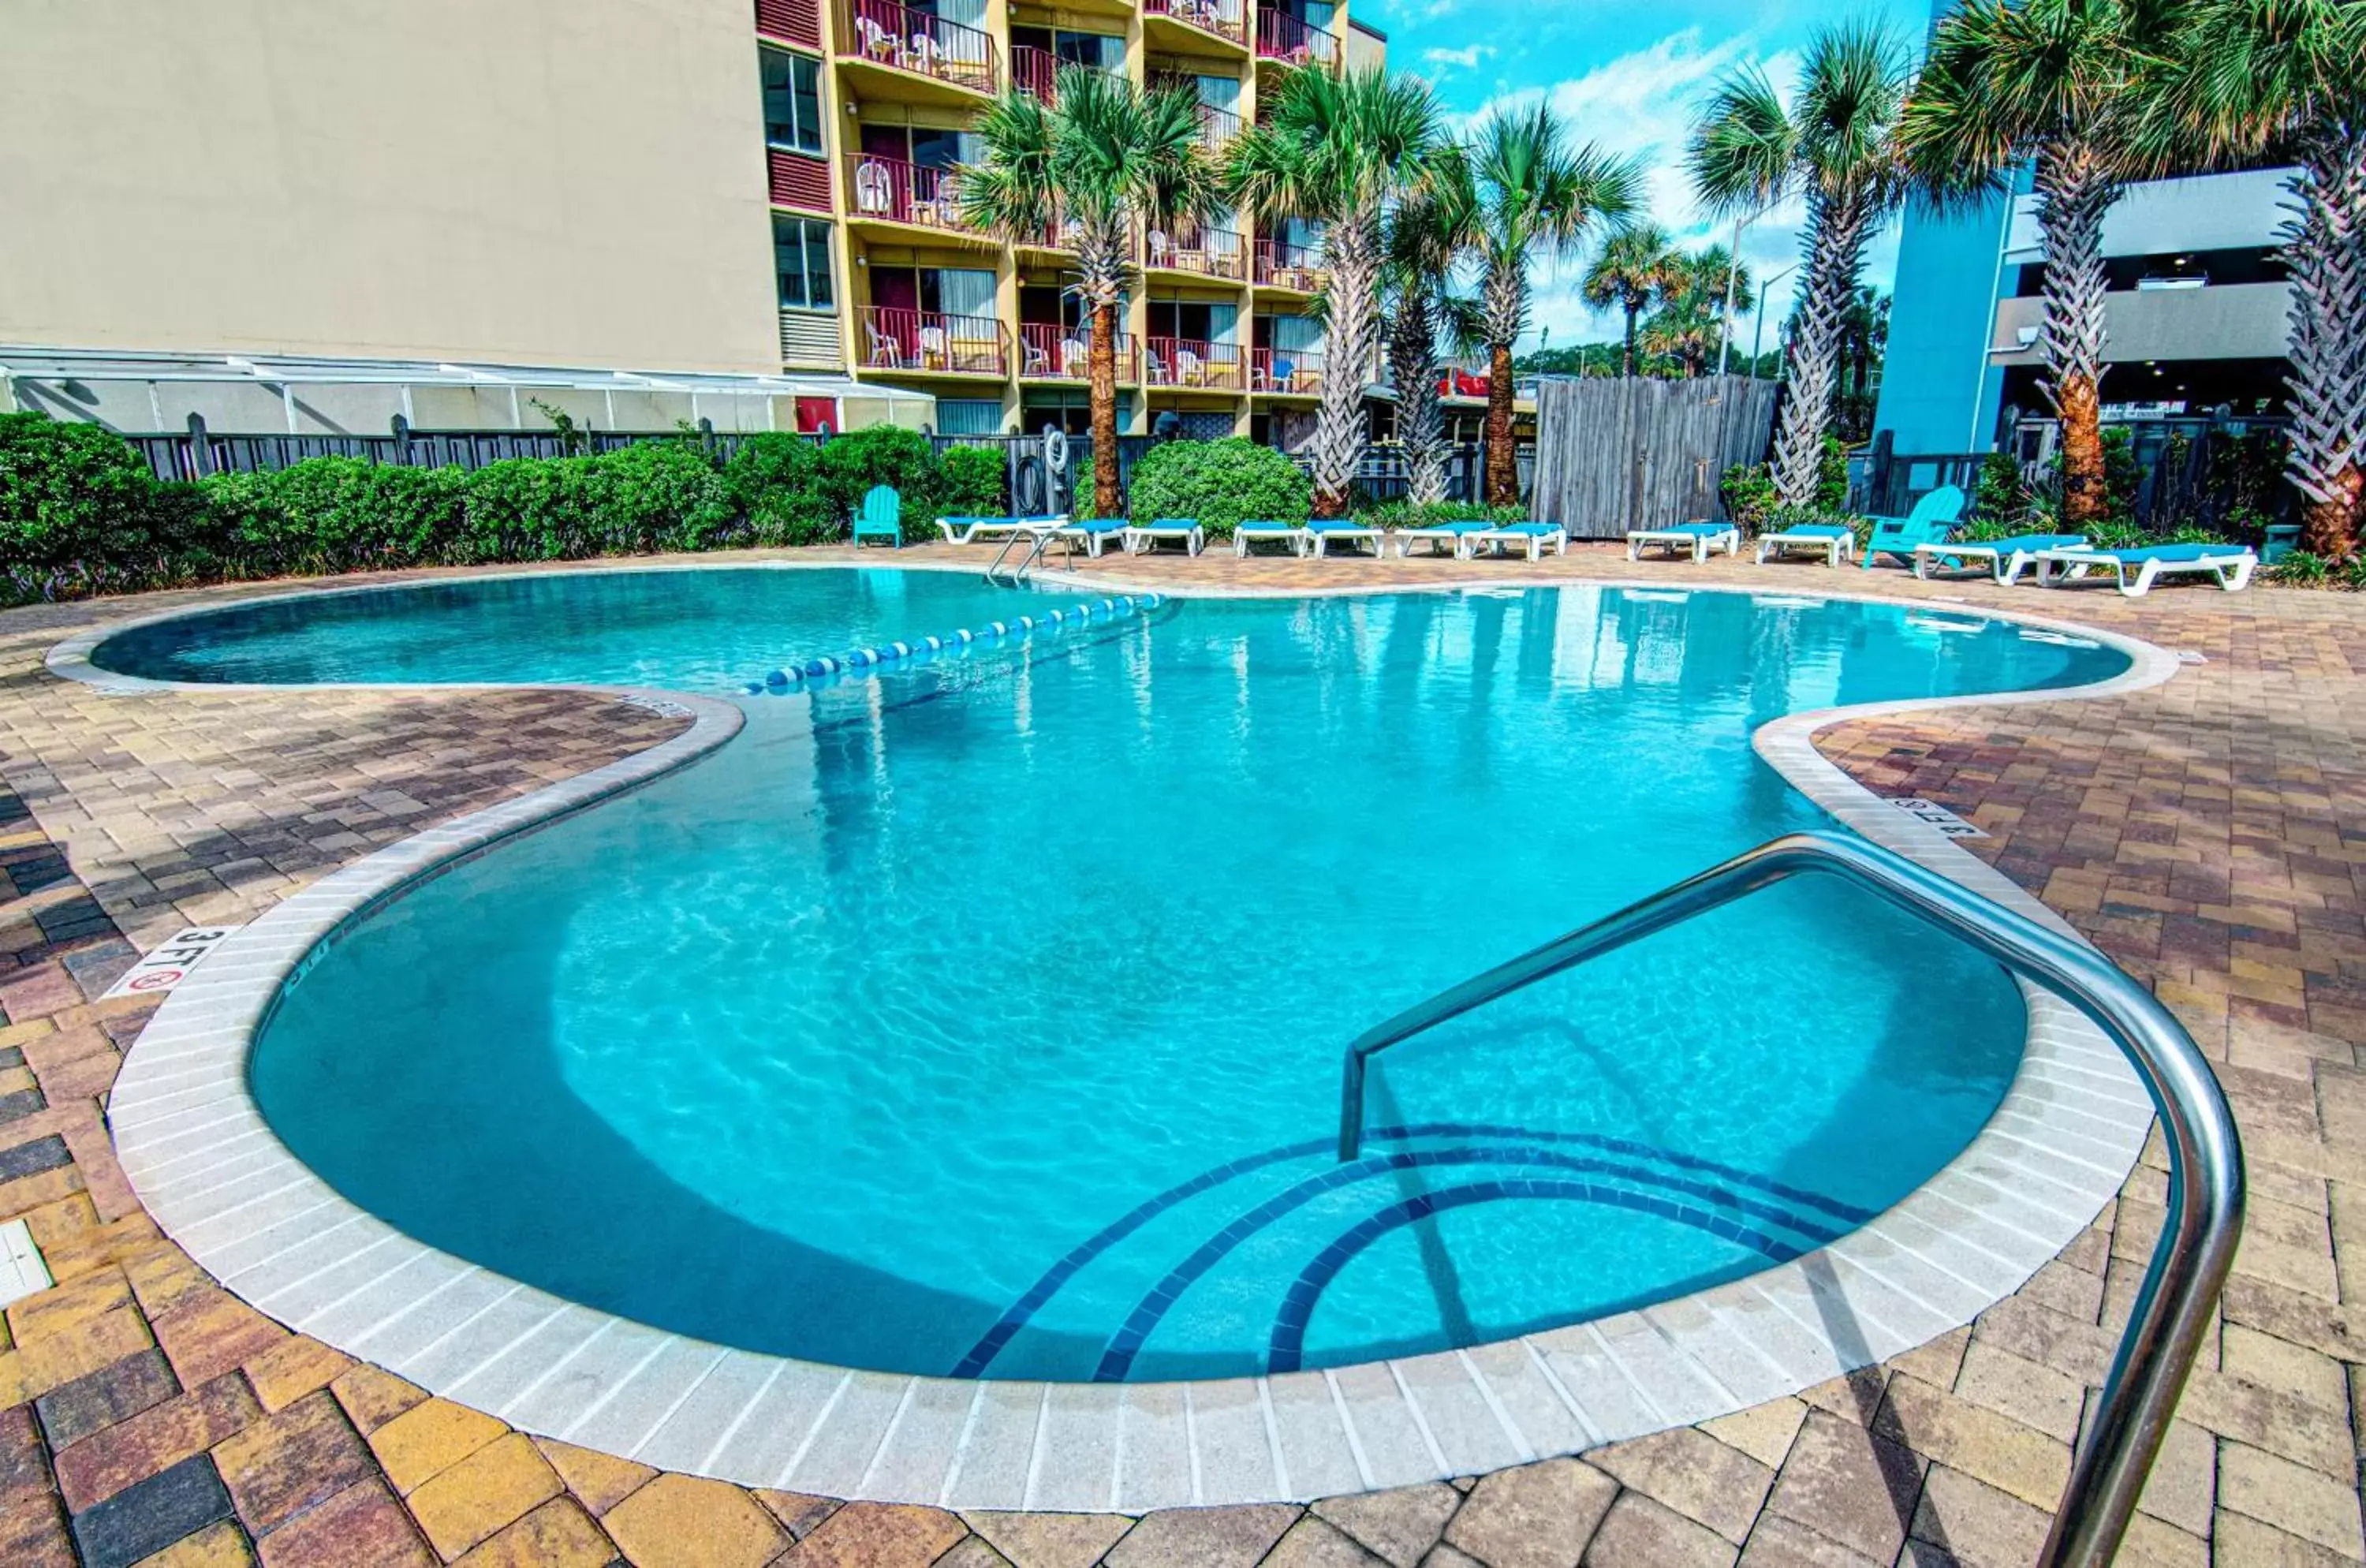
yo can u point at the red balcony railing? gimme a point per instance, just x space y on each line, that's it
1290 40
1217 125
1193 362
898 338
898 192
1222 17
1052 352
1286 370
1035 71
1186 247
885 33
1280 265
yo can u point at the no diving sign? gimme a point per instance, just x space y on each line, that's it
168 965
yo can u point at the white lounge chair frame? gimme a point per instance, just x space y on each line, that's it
1244 537
987 530
1451 538
1143 538
1703 545
2232 569
1324 537
1088 534
1835 547
1556 539
2005 566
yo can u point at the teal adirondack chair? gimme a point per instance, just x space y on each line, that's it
1932 519
881 517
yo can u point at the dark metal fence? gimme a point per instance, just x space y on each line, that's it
2208 472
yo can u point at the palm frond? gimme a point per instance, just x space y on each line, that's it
1744 151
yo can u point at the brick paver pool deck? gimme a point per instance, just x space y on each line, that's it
2195 832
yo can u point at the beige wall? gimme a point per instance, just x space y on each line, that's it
557 181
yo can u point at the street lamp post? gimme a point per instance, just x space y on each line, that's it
1766 289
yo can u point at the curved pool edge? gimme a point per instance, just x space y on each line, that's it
219 1183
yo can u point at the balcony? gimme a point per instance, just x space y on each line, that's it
1053 352
918 46
1206 253
930 342
1287 372
1193 362
889 190
2235 321
1280 265
1210 19
1217 125
1036 72
1290 41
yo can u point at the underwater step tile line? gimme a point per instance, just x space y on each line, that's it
960 642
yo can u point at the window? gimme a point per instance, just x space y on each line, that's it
793 101
801 256
969 416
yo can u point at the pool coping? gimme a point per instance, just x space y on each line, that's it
217 1180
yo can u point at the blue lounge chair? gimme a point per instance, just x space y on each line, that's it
1533 538
2231 565
1834 541
882 516
1093 533
2005 559
1143 538
1450 535
1324 532
1703 539
1932 519
1290 533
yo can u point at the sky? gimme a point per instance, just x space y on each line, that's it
1628 75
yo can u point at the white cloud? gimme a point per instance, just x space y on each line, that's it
1467 57
1641 106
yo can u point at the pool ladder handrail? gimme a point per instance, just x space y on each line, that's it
2172 1309
1039 540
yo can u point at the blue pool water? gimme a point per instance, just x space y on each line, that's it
986 1018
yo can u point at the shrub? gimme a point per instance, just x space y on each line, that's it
2302 568
972 482
1403 513
1749 494
527 509
1220 483
655 495
883 455
1081 505
2000 495
774 482
342 515
73 500
1832 475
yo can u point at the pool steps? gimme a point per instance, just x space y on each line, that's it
860 662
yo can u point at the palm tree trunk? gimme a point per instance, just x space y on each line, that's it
1102 368
1627 363
1350 252
1835 256
1506 302
2075 189
1412 369
2326 258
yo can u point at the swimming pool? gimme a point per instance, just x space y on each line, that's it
986 1018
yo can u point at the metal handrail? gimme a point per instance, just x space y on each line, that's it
2206 1156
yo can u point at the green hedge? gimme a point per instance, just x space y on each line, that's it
1221 483
80 512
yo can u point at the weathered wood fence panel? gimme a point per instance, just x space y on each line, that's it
1632 452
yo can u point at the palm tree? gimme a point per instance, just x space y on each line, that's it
2249 75
1336 149
1426 231
1628 274
1108 158
1537 195
1865 339
1836 142
2068 84
1689 321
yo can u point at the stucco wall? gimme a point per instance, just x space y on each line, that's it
557 181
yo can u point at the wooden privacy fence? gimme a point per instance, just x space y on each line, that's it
1615 454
